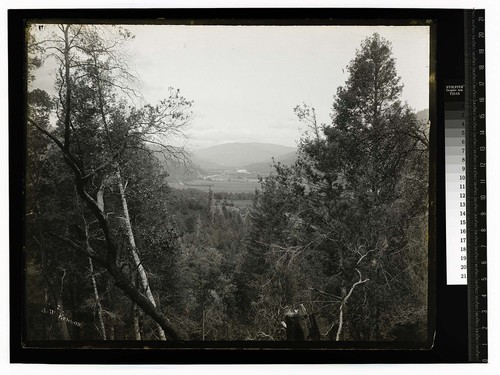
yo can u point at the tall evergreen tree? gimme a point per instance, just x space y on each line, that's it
364 193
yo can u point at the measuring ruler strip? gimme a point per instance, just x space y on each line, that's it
476 185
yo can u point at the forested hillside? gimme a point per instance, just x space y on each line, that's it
332 248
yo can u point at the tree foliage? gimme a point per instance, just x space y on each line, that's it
351 211
96 130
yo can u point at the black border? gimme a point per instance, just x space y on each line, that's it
450 302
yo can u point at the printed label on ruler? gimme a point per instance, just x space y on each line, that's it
456 236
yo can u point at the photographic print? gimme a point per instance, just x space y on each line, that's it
227 185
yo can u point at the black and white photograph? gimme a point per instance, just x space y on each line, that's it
227 184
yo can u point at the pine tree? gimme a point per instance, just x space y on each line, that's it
362 166
361 182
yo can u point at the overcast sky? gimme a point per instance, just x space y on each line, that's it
246 80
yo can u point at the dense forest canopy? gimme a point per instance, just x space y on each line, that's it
333 246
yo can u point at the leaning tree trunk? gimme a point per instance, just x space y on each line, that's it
133 248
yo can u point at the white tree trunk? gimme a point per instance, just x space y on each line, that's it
61 320
344 303
137 327
133 248
98 301
91 266
135 316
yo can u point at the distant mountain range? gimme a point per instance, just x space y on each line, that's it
241 155
253 157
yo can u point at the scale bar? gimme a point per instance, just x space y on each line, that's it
455 161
